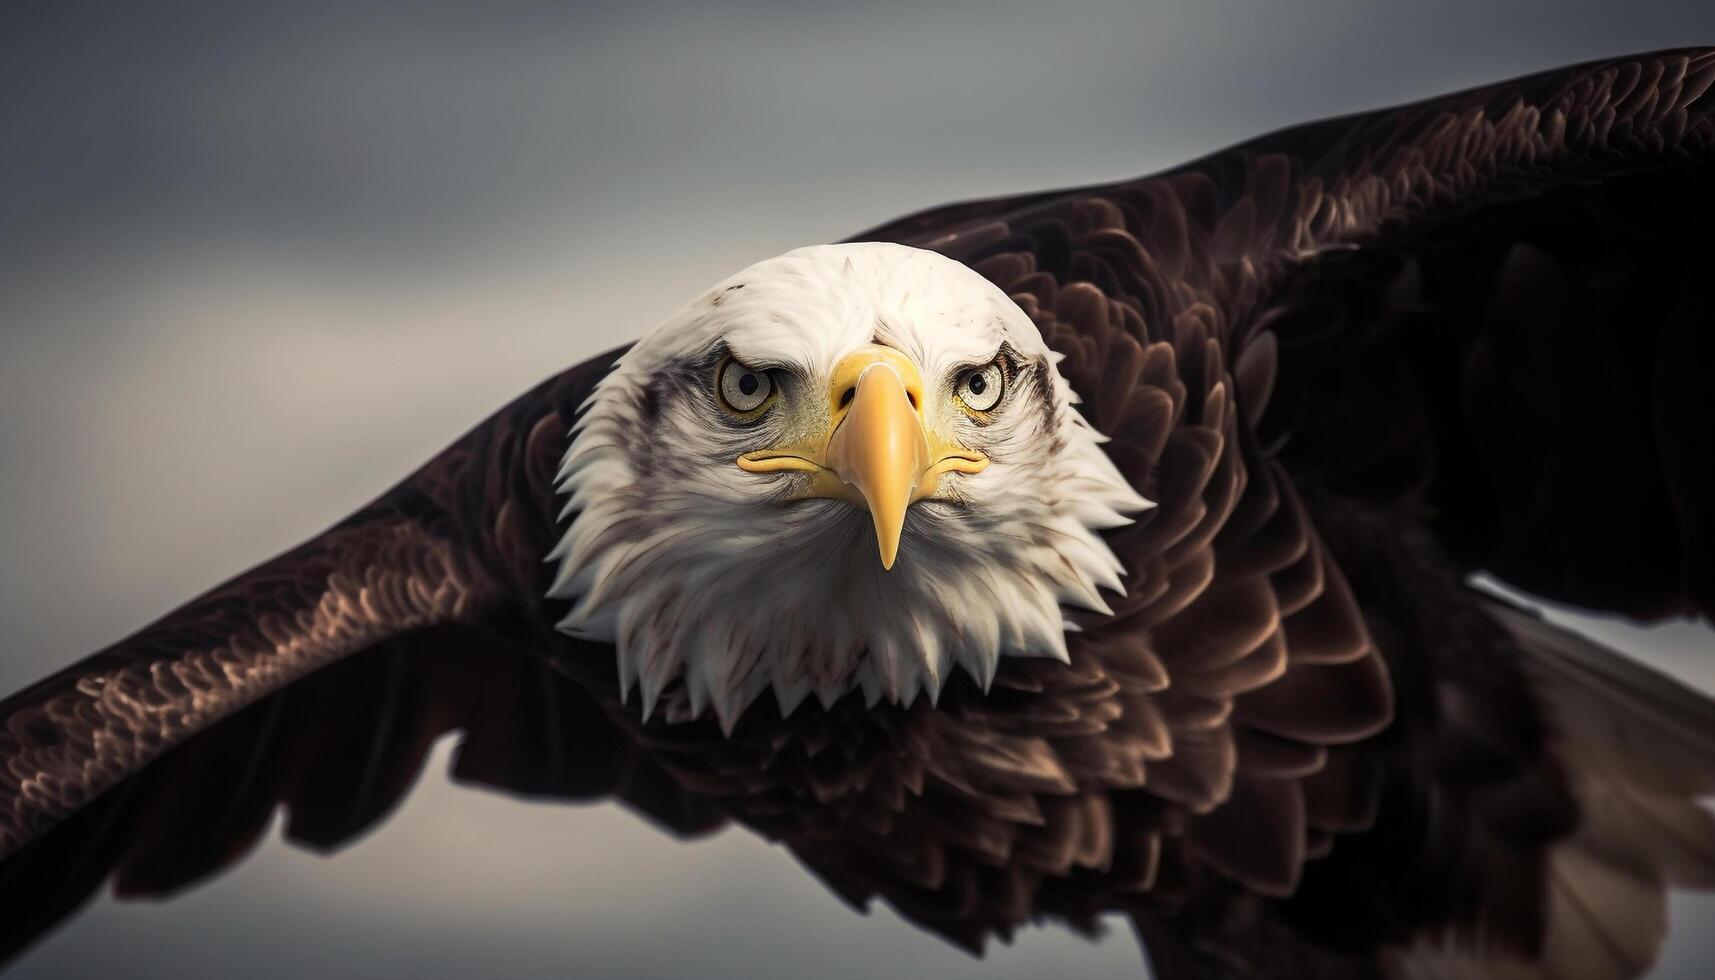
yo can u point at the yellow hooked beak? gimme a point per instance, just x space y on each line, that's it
878 453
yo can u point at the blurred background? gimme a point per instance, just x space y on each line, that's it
259 260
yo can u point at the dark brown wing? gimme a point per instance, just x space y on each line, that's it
1469 334
1499 293
319 681
336 752
77 734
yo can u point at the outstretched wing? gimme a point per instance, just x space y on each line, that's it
77 734
319 681
1481 326
337 751
1498 298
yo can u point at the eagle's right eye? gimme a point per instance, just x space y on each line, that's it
744 390
980 390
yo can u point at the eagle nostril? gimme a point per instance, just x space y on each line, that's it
846 399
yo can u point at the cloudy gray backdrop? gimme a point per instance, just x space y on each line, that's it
259 260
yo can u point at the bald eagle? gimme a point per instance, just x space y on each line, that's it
1097 550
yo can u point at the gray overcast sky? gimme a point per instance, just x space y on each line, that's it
258 260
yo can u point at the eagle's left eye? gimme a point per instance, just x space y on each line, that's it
980 389
744 389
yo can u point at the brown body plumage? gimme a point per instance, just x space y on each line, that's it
1352 362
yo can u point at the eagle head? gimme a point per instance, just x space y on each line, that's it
849 467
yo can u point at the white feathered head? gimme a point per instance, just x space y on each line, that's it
847 467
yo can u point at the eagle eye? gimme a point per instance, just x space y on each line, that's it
744 390
980 389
